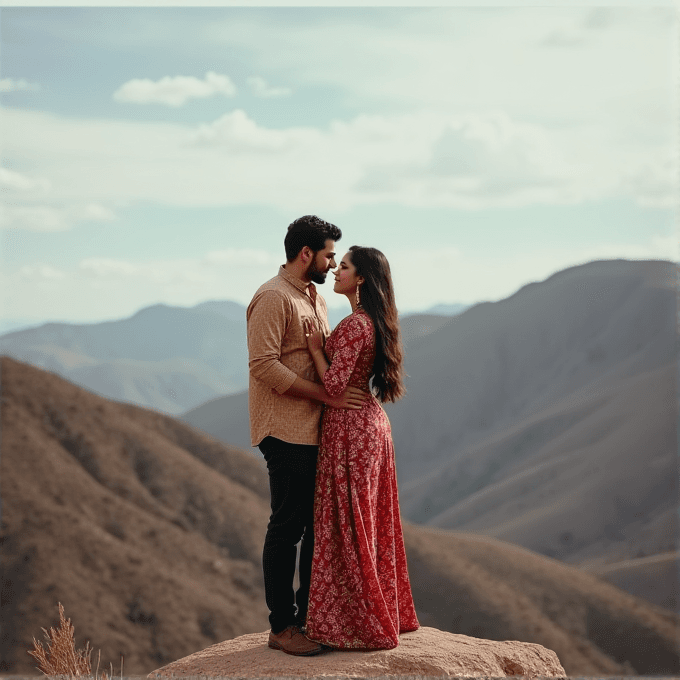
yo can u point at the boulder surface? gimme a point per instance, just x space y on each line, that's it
426 651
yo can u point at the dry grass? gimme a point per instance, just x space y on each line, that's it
61 656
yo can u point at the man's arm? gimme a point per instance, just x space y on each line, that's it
352 398
266 318
267 321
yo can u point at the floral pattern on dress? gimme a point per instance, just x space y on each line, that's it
360 593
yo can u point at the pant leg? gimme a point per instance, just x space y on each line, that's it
292 473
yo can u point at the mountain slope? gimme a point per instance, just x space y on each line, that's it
172 359
226 418
520 414
498 363
168 358
150 534
590 476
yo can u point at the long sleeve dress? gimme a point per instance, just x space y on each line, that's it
360 594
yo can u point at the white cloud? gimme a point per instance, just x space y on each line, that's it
201 271
17 85
655 184
425 158
491 275
659 247
118 287
239 132
466 59
453 275
42 271
261 88
174 91
241 257
478 161
102 267
9 179
45 218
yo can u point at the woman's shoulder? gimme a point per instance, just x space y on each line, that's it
358 322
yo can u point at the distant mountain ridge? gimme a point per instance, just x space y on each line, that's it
163 357
521 414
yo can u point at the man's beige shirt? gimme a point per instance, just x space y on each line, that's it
277 354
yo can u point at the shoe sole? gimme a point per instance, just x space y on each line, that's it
313 652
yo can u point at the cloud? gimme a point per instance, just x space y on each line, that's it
174 91
44 289
45 218
42 271
241 257
459 59
659 247
655 184
9 179
425 158
17 85
239 132
475 161
261 88
498 153
201 271
565 37
103 267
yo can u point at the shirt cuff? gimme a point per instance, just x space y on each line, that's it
287 380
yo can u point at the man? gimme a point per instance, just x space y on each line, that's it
285 400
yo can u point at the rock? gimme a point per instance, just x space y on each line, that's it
426 651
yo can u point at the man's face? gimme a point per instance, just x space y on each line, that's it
322 263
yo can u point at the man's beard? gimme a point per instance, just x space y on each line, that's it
315 274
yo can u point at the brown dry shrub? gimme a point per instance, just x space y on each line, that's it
61 656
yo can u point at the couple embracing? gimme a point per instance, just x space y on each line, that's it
328 447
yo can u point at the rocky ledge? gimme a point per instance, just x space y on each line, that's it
425 652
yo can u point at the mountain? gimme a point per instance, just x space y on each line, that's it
7 325
162 357
447 309
172 359
150 534
226 418
529 420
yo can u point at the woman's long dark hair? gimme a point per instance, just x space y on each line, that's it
377 299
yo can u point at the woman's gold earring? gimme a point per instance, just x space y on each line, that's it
358 299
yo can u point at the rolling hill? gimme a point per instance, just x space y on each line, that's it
548 419
172 359
150 534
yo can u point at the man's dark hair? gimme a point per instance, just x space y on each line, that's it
310 231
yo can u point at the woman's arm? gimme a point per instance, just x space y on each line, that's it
335 377
315 345
320 362
345 398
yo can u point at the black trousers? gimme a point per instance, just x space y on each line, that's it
292 475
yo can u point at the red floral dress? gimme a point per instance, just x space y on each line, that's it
360 594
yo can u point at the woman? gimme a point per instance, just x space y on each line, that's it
360 595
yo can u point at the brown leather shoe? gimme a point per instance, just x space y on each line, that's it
292 641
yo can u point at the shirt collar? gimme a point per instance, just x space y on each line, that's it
298 283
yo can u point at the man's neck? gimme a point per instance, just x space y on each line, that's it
294 270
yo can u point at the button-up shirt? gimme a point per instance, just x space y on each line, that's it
278 353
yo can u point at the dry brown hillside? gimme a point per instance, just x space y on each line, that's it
484 587
150 534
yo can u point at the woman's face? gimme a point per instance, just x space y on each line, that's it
346 278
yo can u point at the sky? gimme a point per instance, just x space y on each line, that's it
157 155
